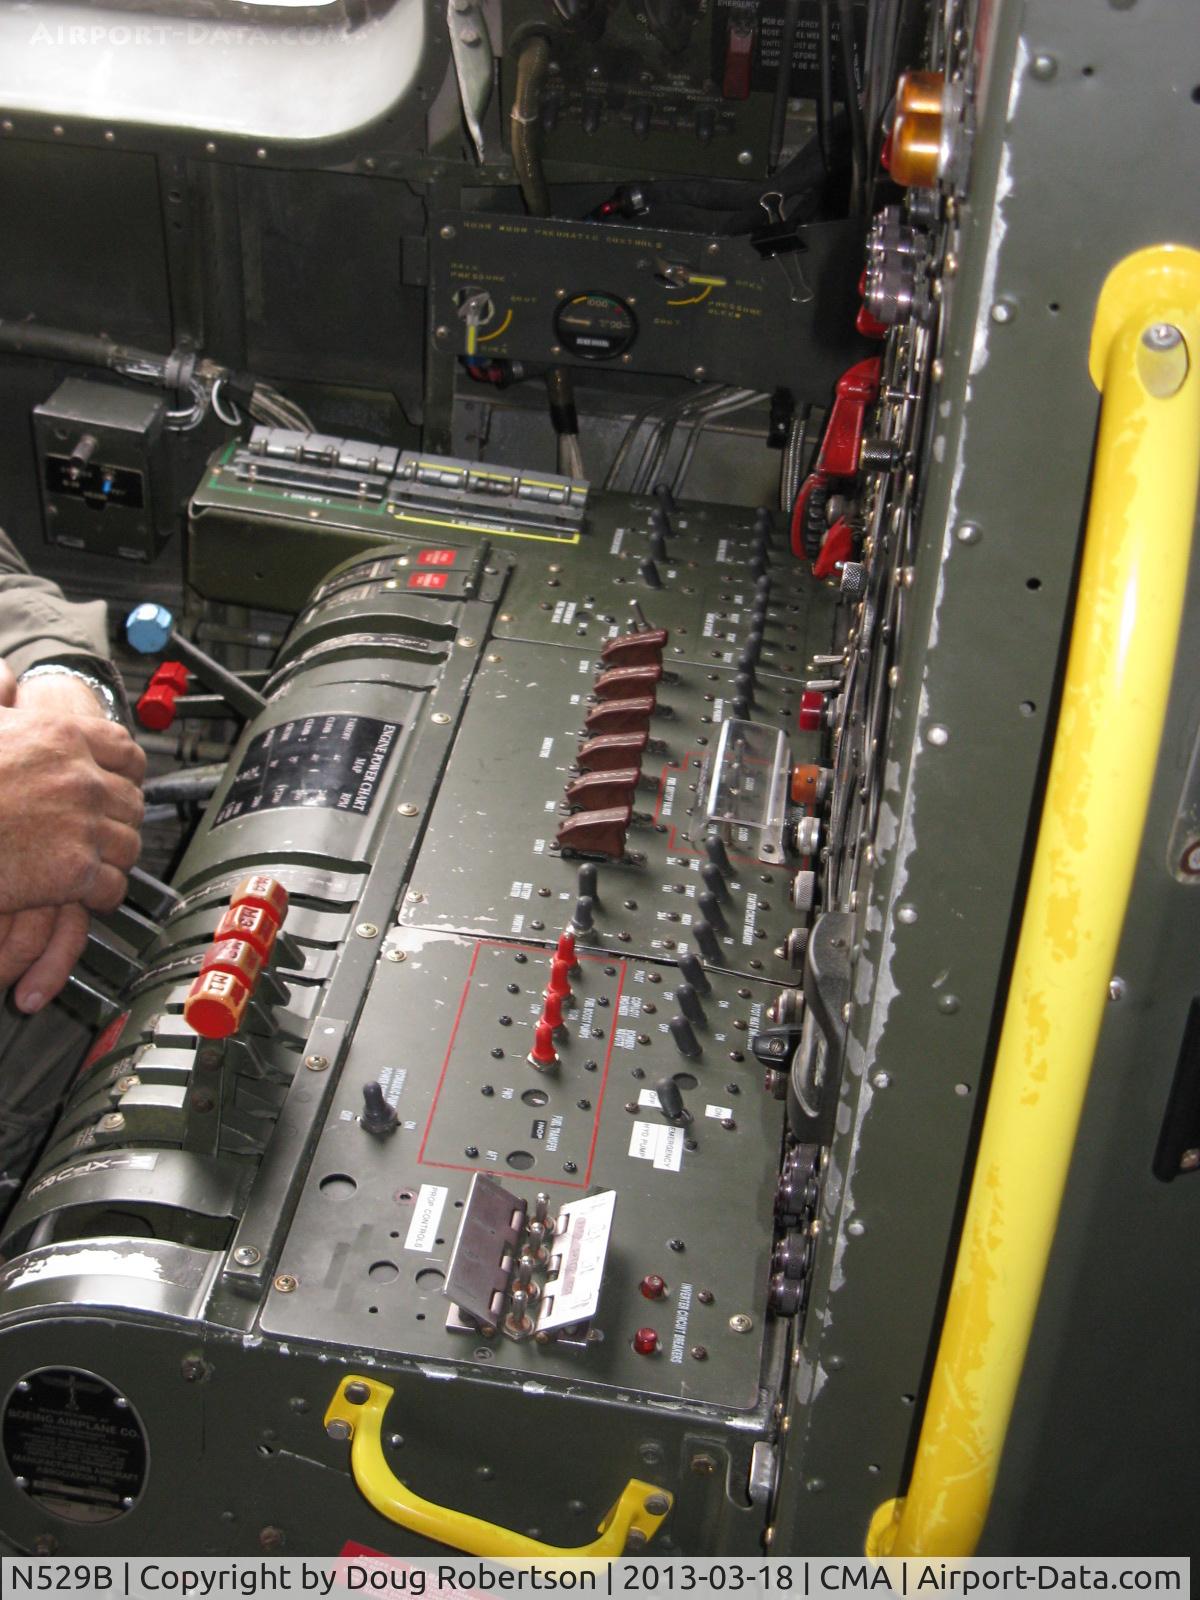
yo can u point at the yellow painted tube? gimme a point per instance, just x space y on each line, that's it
1144 358
357 1411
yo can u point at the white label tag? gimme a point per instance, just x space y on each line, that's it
427 1214
721 1113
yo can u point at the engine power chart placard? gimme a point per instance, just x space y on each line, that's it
335 762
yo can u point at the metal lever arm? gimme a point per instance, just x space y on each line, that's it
357 1411
1144 359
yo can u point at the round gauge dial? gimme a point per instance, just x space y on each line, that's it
594 326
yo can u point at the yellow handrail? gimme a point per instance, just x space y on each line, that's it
357 1412
1144 354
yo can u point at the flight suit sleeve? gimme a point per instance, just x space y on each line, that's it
38 623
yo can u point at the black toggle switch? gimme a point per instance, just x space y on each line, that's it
691 970
377 1117
753 645
661 523
714 849
745 665
658 546
670 1098
662 493
649 574
710 909
706 941
740 708
581 918
714 880
762 588
744 687
685 1039
589 882
688 1002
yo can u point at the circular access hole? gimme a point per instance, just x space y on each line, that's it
519 1160
1027 708
1089 72
1033 583
429 1279
383 1272
338 1186
1054 307
534 1097
686 1080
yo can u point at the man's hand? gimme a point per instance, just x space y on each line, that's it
39 948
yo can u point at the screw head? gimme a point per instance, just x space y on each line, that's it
408 809
1162 336
440 718
337 1429
366 930
285 1283
446 231
247 1256
392 954
112 1123
316 1063
357 1394
741 1323
656 1505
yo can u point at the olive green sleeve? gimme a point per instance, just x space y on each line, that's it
38 622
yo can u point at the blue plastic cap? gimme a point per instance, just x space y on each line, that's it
148 628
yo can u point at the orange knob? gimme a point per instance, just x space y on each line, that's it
234 956
214 1005
923 92
917 149
252 924
263 891
806 784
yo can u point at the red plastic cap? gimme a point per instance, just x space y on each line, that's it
214 1005
156 707
560 983
543 1053
812 711
552 1011
235 956
645 1342
251 923
261 890
564 951
652 1286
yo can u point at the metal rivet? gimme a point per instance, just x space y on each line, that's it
948 1004
1162 336
1003 312
938 734
881 1080
446 231
906 913
856 1229
1043 67
337 1429
1116 989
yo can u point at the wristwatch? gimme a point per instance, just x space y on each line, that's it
105 697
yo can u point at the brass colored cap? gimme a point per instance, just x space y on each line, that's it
916 149
922 92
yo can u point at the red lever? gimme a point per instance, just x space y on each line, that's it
836 548
251 924
215 1004
156 705
234 956
261 890
856 389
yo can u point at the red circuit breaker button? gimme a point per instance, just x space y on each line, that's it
214 1005
261 890
234 956
645 1342
251 923
812 711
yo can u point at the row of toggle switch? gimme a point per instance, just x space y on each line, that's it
241 949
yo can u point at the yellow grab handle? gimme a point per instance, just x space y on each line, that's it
356 1412
1144 354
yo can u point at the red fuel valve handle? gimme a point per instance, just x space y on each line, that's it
156 704
857 389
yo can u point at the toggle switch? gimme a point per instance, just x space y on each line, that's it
593 791
706 941
543 1055
649 574
582 918
713 880
596 833
559 983
620 716
685 1039
587 881
714 849
564 951
377 1116
612 750
691 970
688 1002
644 648
552 1012
710 909
623 683
670 1100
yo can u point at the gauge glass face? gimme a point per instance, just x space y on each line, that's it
594 327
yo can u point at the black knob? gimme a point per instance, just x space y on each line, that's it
589 882
658 546
582 918
648 573
691 970
662 493
740 708
688 1002
378 1116
744 685
661 523
710 909
745 665
753 644
714 849
714 880
763 585
685 1039
762 520
670 1100
706 941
